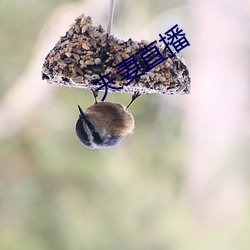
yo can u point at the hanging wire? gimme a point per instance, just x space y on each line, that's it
110 16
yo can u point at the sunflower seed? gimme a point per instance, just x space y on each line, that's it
85 46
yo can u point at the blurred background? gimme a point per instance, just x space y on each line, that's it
180 182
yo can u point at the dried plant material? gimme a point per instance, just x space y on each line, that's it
86 52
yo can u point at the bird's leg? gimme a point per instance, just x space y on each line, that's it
134 97
95 94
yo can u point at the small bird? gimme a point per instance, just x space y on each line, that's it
104 124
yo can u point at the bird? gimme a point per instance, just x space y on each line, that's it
104 124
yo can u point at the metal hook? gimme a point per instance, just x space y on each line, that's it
110 16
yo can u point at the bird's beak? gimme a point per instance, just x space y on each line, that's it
82 115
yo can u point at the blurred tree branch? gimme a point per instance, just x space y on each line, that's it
217 119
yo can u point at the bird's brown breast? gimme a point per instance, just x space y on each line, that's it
111 117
